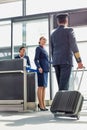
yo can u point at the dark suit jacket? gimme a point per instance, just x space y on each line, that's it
27 58
41 59
63 45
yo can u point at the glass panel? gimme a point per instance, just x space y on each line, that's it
35 29
17 34
5 40
81 33
39 6
11 9
17 37
54 83
83 53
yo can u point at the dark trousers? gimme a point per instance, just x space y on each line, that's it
63 74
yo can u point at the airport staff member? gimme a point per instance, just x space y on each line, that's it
42 64
63 46
22 51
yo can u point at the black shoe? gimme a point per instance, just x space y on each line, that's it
41 109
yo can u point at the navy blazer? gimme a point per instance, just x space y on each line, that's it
63 45
27 59
41 59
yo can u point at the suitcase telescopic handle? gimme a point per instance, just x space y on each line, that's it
80 77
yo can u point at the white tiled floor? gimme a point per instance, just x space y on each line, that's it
41 120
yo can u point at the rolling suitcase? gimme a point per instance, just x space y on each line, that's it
68 103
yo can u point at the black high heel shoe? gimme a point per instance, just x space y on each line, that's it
41 108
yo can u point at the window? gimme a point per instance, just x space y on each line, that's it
5 40
39 6
11 9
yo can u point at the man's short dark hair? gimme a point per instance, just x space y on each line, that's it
62 17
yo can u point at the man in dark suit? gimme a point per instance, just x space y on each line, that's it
21 54
63 46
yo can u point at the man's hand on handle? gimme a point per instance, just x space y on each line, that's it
80 65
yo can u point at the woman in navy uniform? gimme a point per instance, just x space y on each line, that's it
63 46
42 64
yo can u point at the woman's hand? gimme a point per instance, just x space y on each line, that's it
40 70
